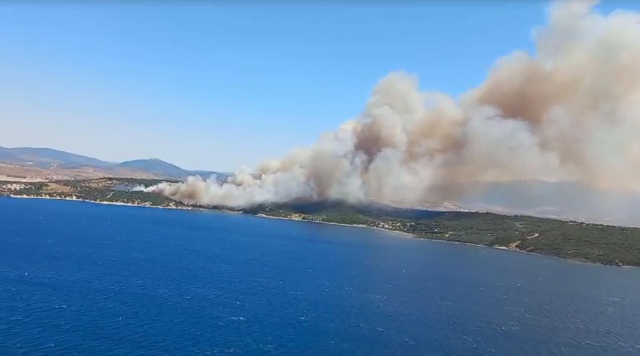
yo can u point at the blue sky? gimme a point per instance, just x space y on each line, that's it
218 85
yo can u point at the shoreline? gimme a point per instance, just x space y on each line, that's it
96 201
401 233
395 232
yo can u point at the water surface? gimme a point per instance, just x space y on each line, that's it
87 279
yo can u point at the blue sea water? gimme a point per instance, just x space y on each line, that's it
87 279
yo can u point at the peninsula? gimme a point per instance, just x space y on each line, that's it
580 241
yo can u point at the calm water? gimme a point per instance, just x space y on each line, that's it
87 279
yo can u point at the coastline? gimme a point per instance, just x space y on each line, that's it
96 201
401 234
411 236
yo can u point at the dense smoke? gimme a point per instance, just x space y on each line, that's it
571 112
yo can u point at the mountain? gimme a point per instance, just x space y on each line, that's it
6 154
48 158
51 163
165 169
155 166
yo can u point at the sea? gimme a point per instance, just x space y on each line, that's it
79 278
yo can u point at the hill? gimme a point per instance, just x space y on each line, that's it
55 164
48 158
162 168
567 239
156 167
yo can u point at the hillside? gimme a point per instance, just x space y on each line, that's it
47 163
48 158
155 166
567 239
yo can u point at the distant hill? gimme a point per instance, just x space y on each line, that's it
5 153
155 166
47 162
165 169
48 158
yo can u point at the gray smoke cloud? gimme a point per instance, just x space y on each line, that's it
570 112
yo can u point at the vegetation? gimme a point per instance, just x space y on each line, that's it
108 190
568 239
573 240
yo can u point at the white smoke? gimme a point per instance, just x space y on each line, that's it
571 112
138 188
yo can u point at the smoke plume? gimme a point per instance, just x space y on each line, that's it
569 112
